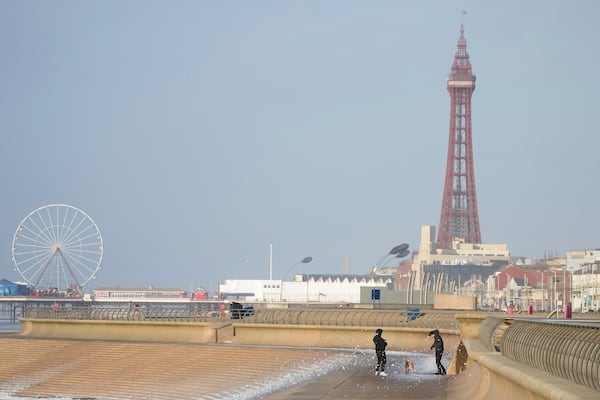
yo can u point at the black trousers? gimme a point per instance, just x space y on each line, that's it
381 360
438 362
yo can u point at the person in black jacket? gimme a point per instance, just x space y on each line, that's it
438 344
380 344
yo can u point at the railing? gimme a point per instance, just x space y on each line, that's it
345 317
569 350
491 331
124 314
320 317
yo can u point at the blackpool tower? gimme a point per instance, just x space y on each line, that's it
460 218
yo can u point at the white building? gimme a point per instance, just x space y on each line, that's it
139 294
307 288
586 287
577 258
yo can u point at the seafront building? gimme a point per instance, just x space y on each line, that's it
111 294
586 287
305 288
575 259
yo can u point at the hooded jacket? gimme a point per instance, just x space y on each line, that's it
380 342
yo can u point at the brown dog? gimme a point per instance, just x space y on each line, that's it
409 367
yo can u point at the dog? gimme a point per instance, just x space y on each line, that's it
409 367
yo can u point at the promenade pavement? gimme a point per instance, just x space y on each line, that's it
362 383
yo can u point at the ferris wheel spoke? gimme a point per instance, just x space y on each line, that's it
80 261
67 244
80 266
55 225
64 281
45 267
64 221
77 228
35 264
45 238
66 229
47 227
72 231
69 269
31 255
88 255
30 245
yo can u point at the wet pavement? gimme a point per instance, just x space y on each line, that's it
362 383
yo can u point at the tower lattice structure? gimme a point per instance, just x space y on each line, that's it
460 217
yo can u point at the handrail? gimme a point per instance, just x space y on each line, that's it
320 317
568 350
169 314
350 317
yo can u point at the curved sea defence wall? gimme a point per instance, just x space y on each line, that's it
346 337
325 336
141 331
506 358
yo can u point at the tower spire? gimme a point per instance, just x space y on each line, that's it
460 218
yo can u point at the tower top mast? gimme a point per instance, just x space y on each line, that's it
461 66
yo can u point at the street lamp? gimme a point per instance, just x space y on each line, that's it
305 260
398 252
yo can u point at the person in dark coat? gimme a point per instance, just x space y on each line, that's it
380 344
438 345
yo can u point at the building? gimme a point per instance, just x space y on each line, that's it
446 270
139 294
8 288
586 287
578 258
306 288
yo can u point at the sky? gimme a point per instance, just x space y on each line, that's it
197 133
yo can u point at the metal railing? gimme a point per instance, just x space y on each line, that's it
345 317
569 350
491 331
124 314
319 317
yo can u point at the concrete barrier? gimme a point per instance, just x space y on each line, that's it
144 331
348 337
400 339
454 302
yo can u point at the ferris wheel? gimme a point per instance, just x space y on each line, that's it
57 248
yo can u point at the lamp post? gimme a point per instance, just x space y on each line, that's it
305 260
398 252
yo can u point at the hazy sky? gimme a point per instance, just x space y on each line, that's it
195 133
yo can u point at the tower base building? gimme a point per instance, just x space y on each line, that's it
457 264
